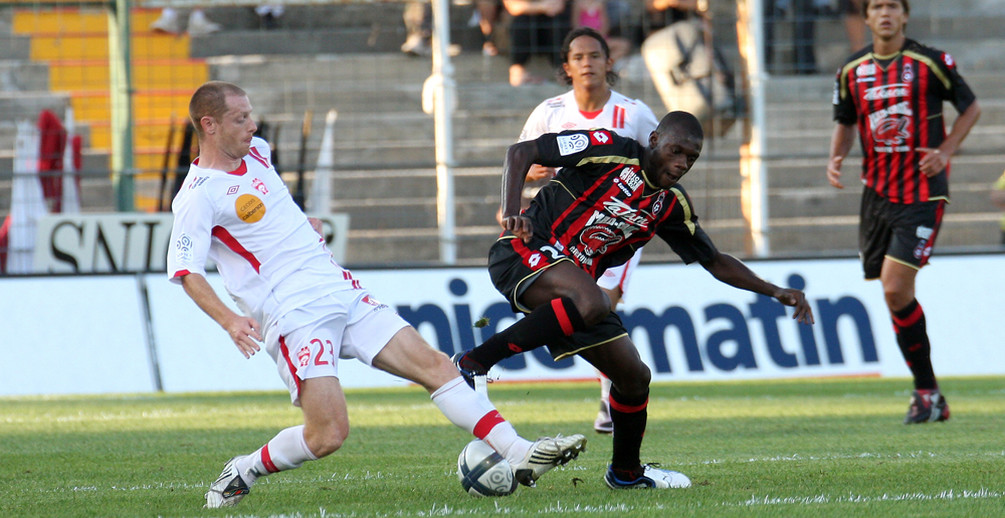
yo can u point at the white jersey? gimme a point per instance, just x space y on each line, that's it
235 218
627 117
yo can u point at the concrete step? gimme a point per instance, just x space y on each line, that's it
21 76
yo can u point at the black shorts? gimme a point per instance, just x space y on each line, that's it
903 232
515 265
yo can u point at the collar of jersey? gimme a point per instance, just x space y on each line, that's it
241 169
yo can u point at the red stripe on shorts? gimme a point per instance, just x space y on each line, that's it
289 363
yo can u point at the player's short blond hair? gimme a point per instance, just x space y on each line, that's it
211 99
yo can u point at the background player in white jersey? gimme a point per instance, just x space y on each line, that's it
235 210
587 67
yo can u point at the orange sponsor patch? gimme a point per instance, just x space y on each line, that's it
249 208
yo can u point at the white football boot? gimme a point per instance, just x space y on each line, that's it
546 453
228 489
652 478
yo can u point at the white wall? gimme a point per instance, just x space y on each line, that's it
89 334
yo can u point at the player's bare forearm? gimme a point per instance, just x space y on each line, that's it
519 158
935 160
242 330
841 142
732 271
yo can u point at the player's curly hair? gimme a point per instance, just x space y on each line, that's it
211 99
566 48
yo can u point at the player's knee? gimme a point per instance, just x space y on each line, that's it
632 380
592 307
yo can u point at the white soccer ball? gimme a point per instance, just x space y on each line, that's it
483 472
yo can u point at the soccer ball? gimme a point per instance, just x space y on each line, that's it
483 472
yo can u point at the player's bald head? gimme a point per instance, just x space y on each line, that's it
681 124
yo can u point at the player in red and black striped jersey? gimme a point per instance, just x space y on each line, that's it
893 92
612 196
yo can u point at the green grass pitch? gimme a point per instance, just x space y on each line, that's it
833 447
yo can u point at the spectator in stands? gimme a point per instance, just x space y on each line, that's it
198 23
418 18
488 12
269 15
905 172
998 198
803 33
591 103
595 14
236 212
537 27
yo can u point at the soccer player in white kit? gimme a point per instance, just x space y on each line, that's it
309 312
590 104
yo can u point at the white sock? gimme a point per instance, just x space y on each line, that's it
287 450
475 413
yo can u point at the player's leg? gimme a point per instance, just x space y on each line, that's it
614 281
306 358
915 228
409 356
629 400
563 298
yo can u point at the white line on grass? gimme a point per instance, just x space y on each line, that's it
949 494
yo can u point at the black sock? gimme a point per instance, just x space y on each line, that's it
545 324
629 415
912 337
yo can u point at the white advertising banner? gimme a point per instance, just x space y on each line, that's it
88 334
73 335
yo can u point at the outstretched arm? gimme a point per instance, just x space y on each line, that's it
732 271
519 158
242 330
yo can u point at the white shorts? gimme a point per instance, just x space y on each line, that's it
618 276
308 342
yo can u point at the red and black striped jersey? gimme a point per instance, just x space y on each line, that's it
600 207
896 101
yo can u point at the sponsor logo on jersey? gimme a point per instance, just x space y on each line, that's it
249 208
233 190
597 239
891 125
657 205
908 75
948 60
260 186
837 94
893 131
865 69
887 92
571 144
630 177
183 248
600 138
